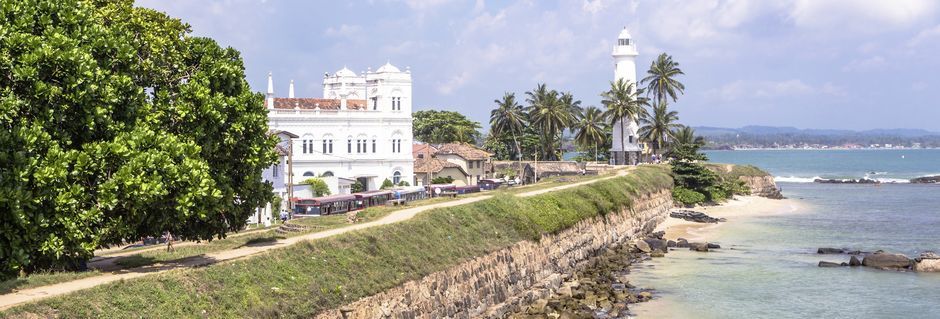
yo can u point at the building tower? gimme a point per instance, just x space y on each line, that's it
627 151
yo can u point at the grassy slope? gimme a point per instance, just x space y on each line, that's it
306 278
736 170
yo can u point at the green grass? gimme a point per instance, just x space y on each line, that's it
307 278
42 279
736 170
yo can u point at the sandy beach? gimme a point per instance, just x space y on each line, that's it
741 206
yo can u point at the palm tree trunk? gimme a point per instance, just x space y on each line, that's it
518 154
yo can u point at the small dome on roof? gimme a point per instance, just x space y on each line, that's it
388 67
345 72
625 34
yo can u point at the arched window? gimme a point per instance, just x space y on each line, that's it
328 174
396 177
309 174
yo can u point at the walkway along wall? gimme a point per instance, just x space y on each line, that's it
502 281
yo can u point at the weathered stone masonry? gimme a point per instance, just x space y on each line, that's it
502 281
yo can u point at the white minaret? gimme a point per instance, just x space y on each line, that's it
270 95
290 91
625 54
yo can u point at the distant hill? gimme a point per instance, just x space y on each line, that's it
779 130
774 136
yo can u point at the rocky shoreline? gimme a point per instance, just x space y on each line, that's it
926 262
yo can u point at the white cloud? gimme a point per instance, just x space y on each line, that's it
593 6
343 31
864 64
860 15
453 83
738 90
925 36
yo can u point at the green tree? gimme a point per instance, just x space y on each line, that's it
508 119
387 183
442 180
686 135
590 129
356 187
550 113
116 123
658 127
624 104
434 126
317 186
661 79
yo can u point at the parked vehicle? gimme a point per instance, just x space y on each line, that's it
373 198
326 205
410 193
491 183
467 189
436 190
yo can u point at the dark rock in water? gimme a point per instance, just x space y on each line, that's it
682 243
846 181
656 244
854 262
926 180
671 243
713 246
829 264
887 261
658 235
830 251
694 216
703 247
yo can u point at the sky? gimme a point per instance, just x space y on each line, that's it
841 64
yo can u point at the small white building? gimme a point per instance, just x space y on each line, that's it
277 176
359 131
628 151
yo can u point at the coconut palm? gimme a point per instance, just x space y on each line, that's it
661 79
657 127
623 105
549 113
508 118
686 135
590 128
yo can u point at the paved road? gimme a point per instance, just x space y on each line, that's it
33 294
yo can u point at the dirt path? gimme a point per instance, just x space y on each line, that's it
33 294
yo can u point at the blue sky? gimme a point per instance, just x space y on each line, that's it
846 64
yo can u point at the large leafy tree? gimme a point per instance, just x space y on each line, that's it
508 120
591 129
661 79
657 127
624 104
116 124
434 126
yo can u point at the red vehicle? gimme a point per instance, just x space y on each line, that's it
373 198
326 205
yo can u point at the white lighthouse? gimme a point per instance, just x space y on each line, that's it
627 151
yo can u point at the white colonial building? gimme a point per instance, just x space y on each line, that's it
276 175
628 151
359 131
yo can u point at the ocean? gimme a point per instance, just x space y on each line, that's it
771 271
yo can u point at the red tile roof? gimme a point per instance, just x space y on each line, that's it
305 103
467 151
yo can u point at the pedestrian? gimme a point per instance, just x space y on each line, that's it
169 241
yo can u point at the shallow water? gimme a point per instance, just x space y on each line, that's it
772 272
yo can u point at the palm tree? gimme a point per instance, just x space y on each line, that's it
658 126
623 104
549 113
591 128
686 135
661 79
508 118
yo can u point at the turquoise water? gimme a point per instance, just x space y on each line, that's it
772 273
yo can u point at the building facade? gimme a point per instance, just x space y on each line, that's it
625 148
463 162
276 175
359 131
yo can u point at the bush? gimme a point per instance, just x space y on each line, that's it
387 183
442 180
687 197
317 186
404 183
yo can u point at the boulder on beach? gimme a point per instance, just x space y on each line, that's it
826 251
887 261
641 245
927 262
682 243
702 247
671 244
713 246
656 244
